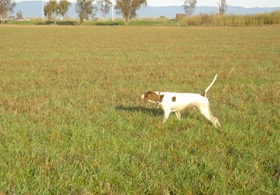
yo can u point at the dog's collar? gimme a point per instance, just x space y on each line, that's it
158 99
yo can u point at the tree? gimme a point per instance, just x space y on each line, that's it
84 8
19 15
63 7
128 8
53 9
222 6
94 12
189 6
6 7
50 9
104 7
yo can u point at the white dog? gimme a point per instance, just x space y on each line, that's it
175 102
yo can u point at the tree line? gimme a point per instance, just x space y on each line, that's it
84 8
127 8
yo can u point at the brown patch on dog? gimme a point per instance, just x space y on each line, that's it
160 98
203 94
174 99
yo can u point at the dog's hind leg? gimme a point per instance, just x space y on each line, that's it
205 111
178 114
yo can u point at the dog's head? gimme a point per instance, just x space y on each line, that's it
151 96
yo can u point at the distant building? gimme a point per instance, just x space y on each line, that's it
180 16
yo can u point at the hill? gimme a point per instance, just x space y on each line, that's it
33 9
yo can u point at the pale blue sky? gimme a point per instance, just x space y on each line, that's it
242 3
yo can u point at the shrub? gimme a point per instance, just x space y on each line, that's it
232 20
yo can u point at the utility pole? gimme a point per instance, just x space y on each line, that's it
219 5
112 11
42 10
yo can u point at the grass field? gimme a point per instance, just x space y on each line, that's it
72 123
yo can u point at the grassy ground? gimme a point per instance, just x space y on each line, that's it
71 121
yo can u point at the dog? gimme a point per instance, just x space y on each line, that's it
176 102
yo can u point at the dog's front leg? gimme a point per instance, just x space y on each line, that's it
166 115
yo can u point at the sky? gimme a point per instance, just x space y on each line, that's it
242 3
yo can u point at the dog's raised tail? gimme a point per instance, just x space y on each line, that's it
205 92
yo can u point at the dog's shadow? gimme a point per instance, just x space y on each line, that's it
151 111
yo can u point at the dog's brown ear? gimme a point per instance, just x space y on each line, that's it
154 96
160 98
203 94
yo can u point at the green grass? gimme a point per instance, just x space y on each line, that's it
71 121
